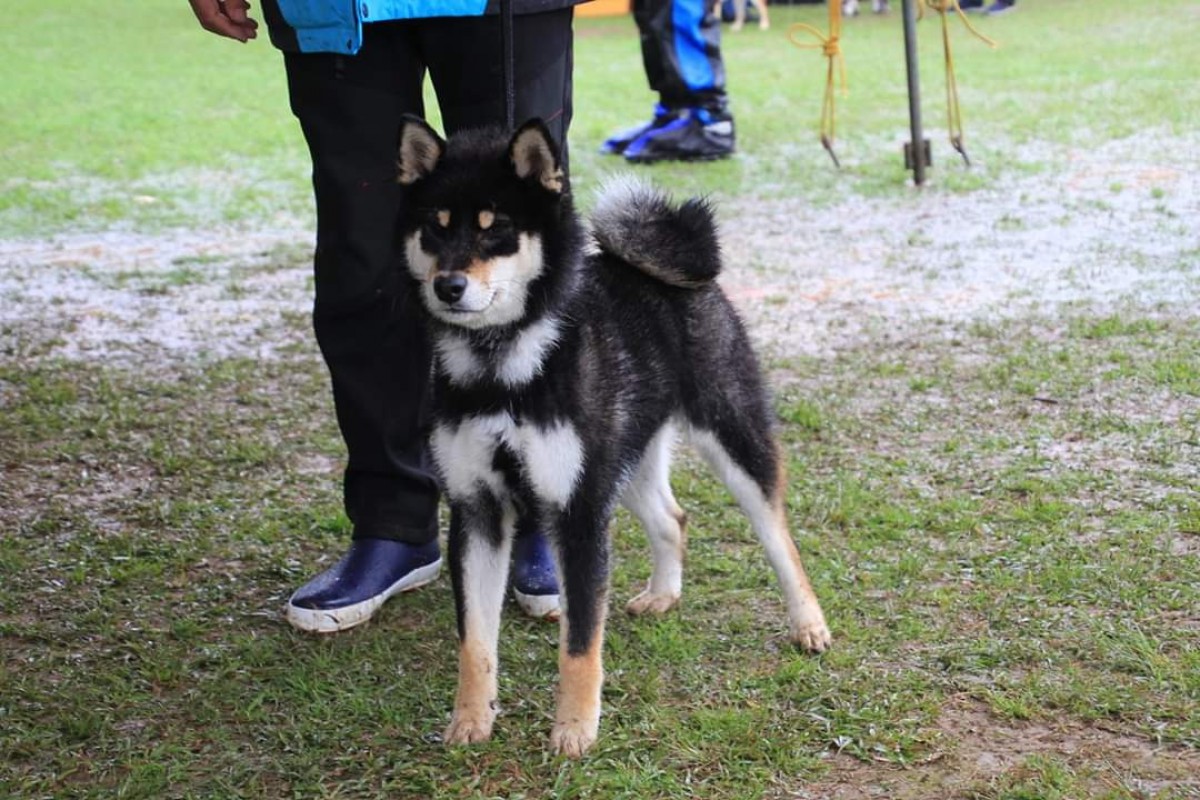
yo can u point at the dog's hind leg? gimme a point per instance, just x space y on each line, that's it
648 496
583 554
479 548
751 466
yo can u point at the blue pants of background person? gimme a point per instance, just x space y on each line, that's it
681 53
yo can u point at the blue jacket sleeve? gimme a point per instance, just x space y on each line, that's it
335 26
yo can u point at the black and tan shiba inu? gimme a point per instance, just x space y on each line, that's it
566 362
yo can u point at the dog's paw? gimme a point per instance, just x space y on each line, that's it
469 728
812 636
572 739
650 603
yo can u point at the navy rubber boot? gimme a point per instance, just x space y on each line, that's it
616 144
352 590
534 577
697 135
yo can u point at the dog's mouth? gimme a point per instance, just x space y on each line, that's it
459 307
465 312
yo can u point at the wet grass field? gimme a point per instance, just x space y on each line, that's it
995 497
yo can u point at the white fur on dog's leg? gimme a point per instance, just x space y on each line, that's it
484 575
574 737
812 634
807 627
806 622
649 497
651 602
469 727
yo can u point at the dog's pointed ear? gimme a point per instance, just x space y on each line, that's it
534 156
418 150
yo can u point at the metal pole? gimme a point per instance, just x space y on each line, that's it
917 153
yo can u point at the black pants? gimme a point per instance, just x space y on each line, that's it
365 313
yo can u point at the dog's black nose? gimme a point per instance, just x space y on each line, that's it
450 288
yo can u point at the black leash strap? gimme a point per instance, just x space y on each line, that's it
506 63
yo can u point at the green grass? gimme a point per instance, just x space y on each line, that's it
1002 524
167 521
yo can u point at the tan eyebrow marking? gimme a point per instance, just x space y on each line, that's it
443 218
486 218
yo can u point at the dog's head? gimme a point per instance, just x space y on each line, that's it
476 216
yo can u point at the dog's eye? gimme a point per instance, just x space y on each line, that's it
435 221
490 220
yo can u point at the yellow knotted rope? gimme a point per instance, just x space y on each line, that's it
831 48
953 111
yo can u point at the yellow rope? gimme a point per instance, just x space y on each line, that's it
830 46
953 110
942 6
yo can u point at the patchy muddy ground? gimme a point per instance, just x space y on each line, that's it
1092 229
979 747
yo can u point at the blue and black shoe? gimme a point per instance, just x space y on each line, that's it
698 134
534 577
352 590
616 144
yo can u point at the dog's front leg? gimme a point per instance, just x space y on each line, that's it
479 551
583 554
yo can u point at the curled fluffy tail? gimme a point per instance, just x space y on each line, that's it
677 244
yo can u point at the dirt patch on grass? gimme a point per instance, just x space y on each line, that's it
134 300
981 753
984 746
1113 233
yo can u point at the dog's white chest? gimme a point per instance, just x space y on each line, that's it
551 456
516 365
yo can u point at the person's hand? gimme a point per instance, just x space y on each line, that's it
226 18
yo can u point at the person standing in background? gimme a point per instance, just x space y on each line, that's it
681 53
